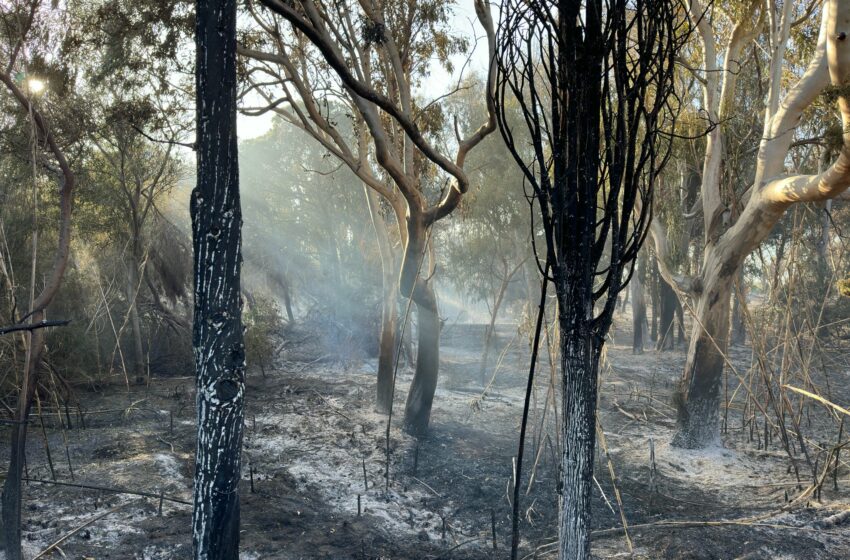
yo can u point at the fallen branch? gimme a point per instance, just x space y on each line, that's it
105 489
33 326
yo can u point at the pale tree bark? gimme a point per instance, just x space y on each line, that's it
387 346
773 192
217 330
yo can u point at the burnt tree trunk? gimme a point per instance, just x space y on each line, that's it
417 412
739 303
698 396
12 492
417 283
639 321
579 368
668 303
217 330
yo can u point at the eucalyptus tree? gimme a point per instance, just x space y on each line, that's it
734 229
371 57
594 82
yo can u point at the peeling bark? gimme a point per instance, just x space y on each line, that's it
772 194
389 312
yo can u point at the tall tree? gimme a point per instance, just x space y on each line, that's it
728 241
376 54
593 80
217 330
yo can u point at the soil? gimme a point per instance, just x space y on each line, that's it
314 447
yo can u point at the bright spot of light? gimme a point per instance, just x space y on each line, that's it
35 85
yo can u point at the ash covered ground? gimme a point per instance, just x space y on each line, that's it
313 444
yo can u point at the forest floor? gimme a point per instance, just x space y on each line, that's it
314 446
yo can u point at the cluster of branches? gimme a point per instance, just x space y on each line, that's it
593 209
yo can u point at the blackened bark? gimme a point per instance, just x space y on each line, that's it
698 397
217 330
12 493
416 283
387 351
417 412
739 302
639 321
668 303
579 364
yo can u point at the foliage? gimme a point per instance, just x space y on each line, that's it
262 321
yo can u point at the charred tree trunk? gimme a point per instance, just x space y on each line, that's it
697 398
417 412
217 330
639 321
579 368
739 301
668 301
417 283
12 492
387 346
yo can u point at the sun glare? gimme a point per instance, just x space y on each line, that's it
35 85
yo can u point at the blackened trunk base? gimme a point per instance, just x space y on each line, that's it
417 412
387 352
12 493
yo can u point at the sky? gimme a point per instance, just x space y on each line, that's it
439 82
